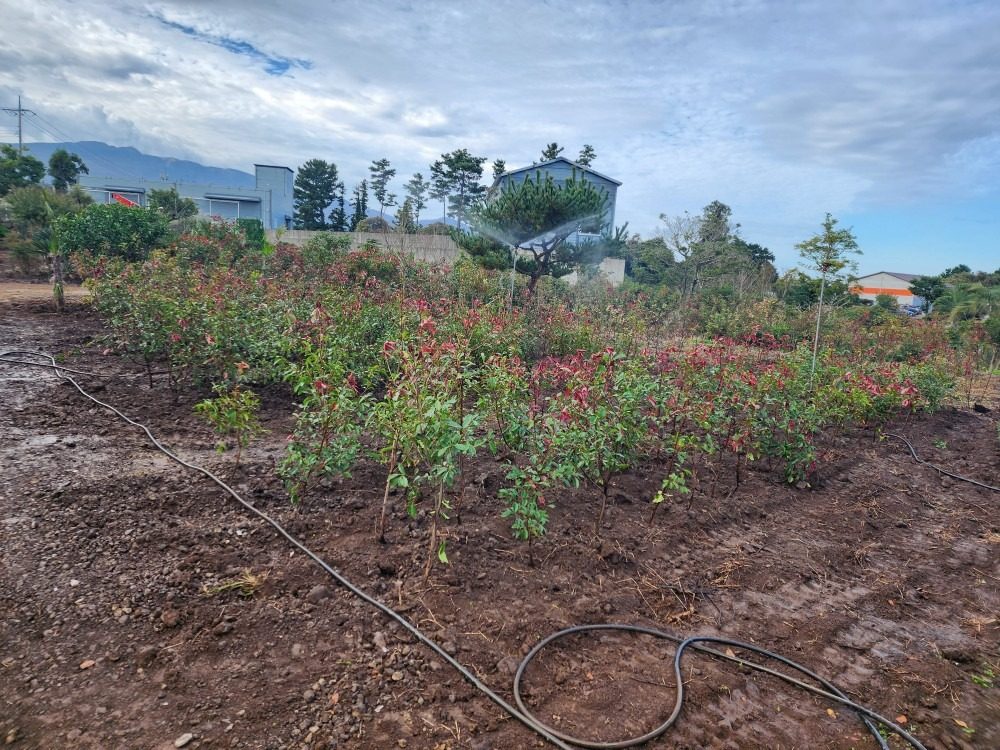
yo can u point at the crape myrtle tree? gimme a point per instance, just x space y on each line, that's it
828 253
536 216
315 189
65 169
382 173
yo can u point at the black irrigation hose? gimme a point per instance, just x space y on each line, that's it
919 460
521 713
87 373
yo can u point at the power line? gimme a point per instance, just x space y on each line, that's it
20 112
52 131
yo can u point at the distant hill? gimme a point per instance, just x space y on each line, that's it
117 161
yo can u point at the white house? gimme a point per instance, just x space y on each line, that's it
895 285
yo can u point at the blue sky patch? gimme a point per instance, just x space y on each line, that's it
274 65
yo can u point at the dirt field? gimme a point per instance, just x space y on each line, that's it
885 578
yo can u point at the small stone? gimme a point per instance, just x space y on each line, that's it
309 696
11 737
317 594
379 640
146 656
183 740
74 582
222 628
298 650
170 617
73 734
397 676
87 663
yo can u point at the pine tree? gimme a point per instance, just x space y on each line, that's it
405 222
314 191
382 173
338 216
551 151
417 188
499 169
587 155
440 187
463 171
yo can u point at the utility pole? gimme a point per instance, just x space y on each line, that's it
20 112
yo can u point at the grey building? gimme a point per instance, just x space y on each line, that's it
562 169
269 201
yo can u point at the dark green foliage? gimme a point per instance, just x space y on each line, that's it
499 168
18 170
587 155
650 262
112 229
485 251
170 203
551 151
417 189
359 204
316 186
253 230
928 287
382 173
65 169
537 215
462 171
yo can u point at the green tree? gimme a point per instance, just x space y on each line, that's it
65 169
315 189
359 205
499 169
417 189
587 155
111 229
382 174
338 216
536 217
650 262
828 253
405 222
929 288
551 151
171 204
18 170
440 187
463 172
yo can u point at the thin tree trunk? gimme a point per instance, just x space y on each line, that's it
385 496
819 317
57 282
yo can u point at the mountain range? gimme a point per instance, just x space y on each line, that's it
104 160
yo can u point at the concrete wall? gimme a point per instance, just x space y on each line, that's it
612 269
431 248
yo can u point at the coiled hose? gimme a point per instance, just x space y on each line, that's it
521 712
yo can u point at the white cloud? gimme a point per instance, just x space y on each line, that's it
784 110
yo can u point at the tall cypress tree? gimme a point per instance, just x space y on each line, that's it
360 205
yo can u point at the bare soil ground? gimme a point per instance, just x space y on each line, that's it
884 577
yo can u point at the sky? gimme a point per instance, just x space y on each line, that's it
884 114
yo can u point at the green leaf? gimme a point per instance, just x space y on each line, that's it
442 555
